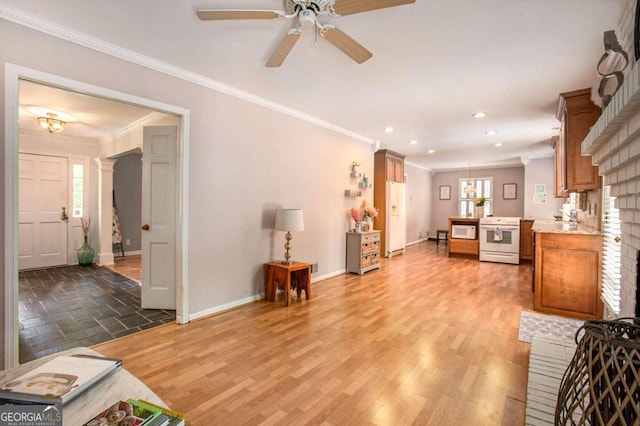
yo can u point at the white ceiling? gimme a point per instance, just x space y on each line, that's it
434 63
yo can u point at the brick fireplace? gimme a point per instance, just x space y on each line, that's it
614 143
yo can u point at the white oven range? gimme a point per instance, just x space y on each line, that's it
500 239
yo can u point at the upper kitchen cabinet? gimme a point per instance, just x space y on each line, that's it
574 171
559 168
391 164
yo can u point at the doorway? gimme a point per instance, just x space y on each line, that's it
13 75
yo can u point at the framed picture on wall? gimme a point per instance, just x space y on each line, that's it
445 192
509 191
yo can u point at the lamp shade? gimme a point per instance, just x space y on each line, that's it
289 220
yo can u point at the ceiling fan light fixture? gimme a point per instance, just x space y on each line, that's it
51 123
307 18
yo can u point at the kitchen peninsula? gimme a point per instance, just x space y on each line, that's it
567 269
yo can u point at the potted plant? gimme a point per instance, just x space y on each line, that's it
479 203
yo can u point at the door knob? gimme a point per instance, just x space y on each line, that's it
145 227
64 216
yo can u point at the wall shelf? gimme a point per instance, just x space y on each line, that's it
352 193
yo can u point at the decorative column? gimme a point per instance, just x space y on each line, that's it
105 211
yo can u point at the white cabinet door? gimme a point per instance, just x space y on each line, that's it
42 194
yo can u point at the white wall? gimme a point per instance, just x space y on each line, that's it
418 202
443 209
540 171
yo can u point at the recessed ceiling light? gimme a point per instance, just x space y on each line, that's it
490 132
479 114
499 144
389 129
413 142
431 151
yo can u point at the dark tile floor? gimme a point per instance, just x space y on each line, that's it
71 306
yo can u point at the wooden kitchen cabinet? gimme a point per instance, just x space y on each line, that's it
462 246
559 170
390 164
567 274
575 172
526 239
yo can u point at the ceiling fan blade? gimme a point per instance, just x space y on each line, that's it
281 52
349 46
349 7
218 15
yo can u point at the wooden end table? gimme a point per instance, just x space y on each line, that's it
277 273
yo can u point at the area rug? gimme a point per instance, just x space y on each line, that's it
548 325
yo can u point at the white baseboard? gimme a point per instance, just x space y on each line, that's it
133 252
417 242
329 275
251 299
225 307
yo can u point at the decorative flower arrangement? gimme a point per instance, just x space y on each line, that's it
368 210
479 201
355 214
86 222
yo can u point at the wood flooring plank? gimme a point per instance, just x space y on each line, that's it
427 340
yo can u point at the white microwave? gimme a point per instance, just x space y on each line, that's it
466 232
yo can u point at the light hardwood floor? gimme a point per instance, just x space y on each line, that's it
130 266
427 340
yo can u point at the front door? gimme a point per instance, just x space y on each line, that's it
159 153
42 194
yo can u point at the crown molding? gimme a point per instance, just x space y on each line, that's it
46 137
417 166
101 46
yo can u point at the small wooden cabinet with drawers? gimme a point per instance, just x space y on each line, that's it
363 251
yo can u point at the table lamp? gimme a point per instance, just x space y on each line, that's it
288 220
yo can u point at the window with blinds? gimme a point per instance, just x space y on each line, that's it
611 252
474 188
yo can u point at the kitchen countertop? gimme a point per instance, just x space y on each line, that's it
562 227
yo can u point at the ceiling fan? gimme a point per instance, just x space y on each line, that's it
307 12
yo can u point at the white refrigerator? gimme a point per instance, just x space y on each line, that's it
396 226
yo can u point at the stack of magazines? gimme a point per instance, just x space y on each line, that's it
58 381
134 412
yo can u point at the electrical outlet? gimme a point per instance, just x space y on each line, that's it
314 268
127 242
419 235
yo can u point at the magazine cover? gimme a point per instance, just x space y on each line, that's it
122 413
58 380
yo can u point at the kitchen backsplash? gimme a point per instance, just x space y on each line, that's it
588 206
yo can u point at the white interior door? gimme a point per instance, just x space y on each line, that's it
42 192
158 217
